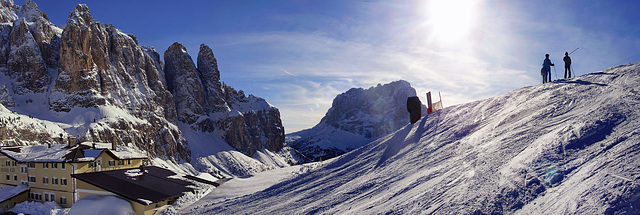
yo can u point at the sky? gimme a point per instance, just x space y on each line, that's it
300 54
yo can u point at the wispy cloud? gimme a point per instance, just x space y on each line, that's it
300 70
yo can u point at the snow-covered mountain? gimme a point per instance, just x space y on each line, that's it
567 147
94 82
355 118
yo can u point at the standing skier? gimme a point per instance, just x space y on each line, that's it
567 65
546 69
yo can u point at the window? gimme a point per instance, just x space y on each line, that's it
91 165
32 178
63 200
54 181
8 177
129 162
46 197
31 165
45 180
112 163
53 197
23 169
120 162
8 163
54 165
14 163
63 181
35 196
45 165
62 166
15 177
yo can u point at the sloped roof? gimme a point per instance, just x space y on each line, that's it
87 151
144 185
9 191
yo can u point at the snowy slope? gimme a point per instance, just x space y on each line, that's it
569 147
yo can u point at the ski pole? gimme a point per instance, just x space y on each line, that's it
573 51
554 71
573 71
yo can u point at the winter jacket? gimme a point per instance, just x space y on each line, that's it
567 61
547 65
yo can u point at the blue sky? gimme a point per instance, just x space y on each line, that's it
299 55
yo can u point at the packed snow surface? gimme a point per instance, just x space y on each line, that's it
106 205
568 147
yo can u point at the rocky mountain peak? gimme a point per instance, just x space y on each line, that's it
210 76
372 112
183 81
249 124
80 14
356 117
29 10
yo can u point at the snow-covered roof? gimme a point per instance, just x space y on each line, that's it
145 185
9 191
84 152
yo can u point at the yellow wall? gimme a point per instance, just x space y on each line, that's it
12 170
51 173
104 159
39 192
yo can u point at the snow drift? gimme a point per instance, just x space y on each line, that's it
568 147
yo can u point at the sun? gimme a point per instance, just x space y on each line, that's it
451 20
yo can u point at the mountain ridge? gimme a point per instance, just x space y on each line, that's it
94 82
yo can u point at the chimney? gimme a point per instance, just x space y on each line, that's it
72 142
114 144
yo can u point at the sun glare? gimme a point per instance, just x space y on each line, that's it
451 20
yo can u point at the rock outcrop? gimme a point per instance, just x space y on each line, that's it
248 124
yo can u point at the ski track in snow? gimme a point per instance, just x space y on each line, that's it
568 147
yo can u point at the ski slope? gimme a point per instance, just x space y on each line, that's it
568 147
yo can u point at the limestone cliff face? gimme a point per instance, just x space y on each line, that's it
113 89
210 76
25 62
184 83
248 124
28 47
101 66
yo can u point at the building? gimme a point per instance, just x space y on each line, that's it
46 169
12 195
146 188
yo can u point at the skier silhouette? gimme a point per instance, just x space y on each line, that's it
567 65
546 69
